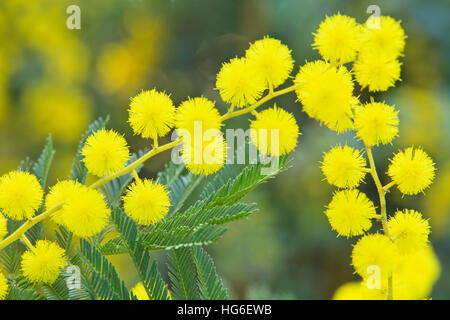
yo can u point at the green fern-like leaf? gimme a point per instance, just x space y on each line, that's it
210 285
181 275
104 278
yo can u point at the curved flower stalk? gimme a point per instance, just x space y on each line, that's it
246 83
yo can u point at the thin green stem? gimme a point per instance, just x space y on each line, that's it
27 242
383 212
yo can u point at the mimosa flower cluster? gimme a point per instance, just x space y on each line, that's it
247 83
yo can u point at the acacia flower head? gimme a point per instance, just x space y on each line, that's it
274 131
44 262
197 114
386 38
377 71
271 59
3 287
85 213
205 157
331 104
3 228
407 284
146 202
412 170
20 195
151 114
338 39
374 250
60 193
409 230
344 167
239 83
350 213
376 123
105 152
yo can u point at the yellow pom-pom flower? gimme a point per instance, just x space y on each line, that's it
271 59
348 291
409 230
151 114
44 262
338 39
374 250
3 287
376 123
344 167
3 227
332 103
412 170
85 213
239 84
274 132
206 157
416 275
383 35
60 193
146 202
350 213
196 116
20 195
105 152
377 71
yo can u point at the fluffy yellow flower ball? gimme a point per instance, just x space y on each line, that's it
344 167
3 227
377 71
196 116
374 250
44 262
412 170
332 103
20 195
151 114
376 123
105 152
350 213
206 157
271 59
274 132
416 275
348 291
3 287
387 38
409 230
60 193
239 84
85 213
338 39
146 202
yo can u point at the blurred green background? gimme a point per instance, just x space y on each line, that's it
57 80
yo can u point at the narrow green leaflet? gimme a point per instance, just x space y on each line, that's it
210 285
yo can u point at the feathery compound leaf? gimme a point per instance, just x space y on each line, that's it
210 284
56 291
42 166
104 278
182 274
151 279
79 171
